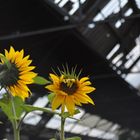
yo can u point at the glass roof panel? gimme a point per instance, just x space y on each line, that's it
138 3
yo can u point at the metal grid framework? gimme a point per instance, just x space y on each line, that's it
115 22
113 32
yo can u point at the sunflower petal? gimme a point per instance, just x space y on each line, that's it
11 53
57 101
20 92
24 62
87 83
51 87
89 99
21 54
84 79
80 98
54 78
22 87
12 90
70 104
6 54
77 102
28 76
27 69
87 89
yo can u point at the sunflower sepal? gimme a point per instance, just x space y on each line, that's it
40 80
74 138
67 114
5 60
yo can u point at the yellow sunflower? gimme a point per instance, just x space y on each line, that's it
69 91
19 75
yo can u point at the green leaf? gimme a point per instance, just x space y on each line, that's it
6 61
1 122
18 106
30 108
40 80
6 106
74 138
51 96
52 139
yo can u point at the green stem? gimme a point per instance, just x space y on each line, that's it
16 131
62 133
15 124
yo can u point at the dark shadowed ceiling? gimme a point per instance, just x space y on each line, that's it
53 35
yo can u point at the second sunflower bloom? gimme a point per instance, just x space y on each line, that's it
69 91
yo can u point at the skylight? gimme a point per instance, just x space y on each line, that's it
132 56
134 75
113 51
41 102
119 63
75 5
79 129
56 119
34 117
90 125
138 3
62 3
101 134
98 17
118 24
128 12
2 92
133 78
92 25
56 1
85 127
113 7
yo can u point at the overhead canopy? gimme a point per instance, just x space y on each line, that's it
52 41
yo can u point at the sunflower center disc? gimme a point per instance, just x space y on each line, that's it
10 76
68 87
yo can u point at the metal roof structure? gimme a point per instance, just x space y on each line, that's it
102 37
